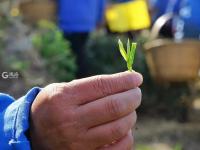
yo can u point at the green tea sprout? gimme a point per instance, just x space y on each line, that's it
129 54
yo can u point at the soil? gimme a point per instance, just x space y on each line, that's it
160 134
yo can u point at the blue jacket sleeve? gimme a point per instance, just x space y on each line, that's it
14 121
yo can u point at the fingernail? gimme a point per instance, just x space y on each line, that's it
138 79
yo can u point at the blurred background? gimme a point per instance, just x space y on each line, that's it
45 41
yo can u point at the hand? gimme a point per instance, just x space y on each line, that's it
87 114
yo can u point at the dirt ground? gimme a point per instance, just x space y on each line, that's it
160 134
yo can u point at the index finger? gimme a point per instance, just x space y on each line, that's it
89 89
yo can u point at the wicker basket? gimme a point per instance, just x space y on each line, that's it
171 61
33 11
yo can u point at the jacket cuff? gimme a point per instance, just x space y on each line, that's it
16 121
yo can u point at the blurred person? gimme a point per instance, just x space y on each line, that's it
122 1
87 114
186 16
77 19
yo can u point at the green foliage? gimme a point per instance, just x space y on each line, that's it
1 37
9 61
129 54
56 51
142 147
178 147
15 63
146 147
1 48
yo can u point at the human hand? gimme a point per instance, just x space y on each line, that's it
86 114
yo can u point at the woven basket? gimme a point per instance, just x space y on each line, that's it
171 61
33 11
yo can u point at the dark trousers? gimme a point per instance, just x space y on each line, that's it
78 44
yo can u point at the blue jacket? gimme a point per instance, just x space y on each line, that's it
192 22
14 121
80 15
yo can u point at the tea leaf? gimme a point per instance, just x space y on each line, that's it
128 48
122 50
130 54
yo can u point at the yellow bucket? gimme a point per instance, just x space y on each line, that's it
129 16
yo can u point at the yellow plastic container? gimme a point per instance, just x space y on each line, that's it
129 16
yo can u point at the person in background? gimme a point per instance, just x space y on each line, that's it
77 19
186 17
122 1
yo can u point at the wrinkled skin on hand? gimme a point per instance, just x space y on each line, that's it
95 113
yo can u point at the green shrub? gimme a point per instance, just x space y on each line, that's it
178 147
17 62
55 51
